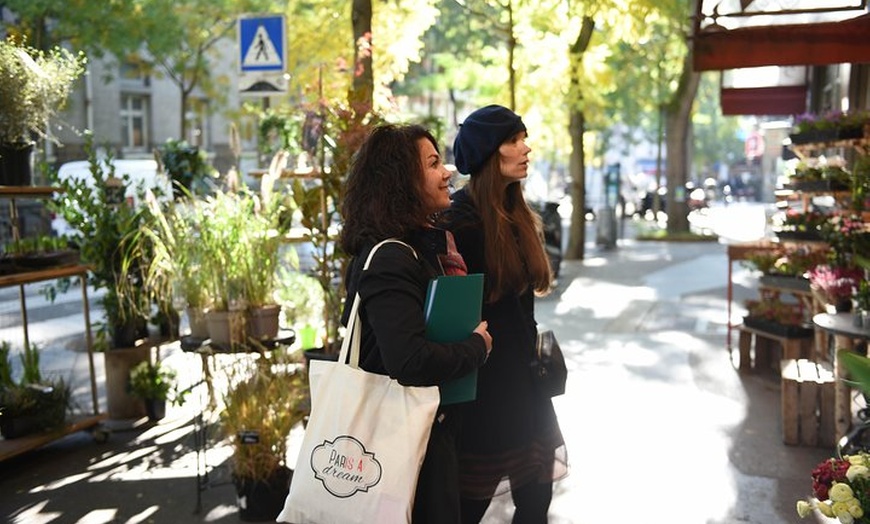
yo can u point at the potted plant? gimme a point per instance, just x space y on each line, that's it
221 235
834 285
100 221
168 244
32 404
266 399
34 87
155 384
262 253
187 167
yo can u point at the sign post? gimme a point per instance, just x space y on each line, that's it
262 55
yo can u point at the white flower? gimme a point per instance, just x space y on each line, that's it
856 471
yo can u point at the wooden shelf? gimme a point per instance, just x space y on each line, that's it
28 191
41 275
12 447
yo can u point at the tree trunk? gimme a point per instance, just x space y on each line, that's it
362 89
677 136
576 164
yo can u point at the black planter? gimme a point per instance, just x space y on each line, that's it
155 409
319 354
262 500
775 328
15 164
125 335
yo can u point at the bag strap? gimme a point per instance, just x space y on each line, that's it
350 344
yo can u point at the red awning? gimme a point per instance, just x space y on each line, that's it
729 35
778 100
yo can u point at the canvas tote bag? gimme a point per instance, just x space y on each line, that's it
364 443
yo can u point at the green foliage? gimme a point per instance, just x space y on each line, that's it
100 225
300 297
34 86
30 365
858 367
35 244
46 401
5 365
187 167
155 381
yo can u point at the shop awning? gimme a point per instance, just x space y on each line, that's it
733 34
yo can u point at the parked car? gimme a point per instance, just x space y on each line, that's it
143 174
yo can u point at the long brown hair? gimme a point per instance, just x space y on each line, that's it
513 234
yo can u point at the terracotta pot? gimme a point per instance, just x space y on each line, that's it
196 319
121 404
226 328
263 322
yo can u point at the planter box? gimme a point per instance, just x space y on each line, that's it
818 185
785 282
775 328
802 236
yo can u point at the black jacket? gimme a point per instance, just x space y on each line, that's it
393 292
509 416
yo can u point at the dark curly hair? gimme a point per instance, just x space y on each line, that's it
384 194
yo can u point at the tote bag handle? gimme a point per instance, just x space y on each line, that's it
352 337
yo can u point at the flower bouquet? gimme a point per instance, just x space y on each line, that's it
835 284
841 489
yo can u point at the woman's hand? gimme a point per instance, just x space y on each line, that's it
487 338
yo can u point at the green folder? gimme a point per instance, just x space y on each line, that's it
452 312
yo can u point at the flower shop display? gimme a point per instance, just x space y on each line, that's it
773 315
841 489
812 174
848 237
797 225
829 126
835 285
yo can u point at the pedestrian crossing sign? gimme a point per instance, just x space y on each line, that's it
262 43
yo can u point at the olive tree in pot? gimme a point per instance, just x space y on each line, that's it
266 399
34 87
101 220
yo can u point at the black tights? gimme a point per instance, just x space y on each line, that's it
531 503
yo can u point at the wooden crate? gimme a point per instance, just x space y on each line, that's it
807 403
757 345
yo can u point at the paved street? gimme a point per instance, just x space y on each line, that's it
659 425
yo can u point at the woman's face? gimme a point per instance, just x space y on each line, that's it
436 178
514 158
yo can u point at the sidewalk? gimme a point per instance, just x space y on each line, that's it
659 426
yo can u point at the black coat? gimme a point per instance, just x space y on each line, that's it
393 292
503 430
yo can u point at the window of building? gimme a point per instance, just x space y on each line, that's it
134 122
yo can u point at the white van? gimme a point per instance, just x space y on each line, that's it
143 173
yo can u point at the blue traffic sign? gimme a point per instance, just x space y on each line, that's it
262 43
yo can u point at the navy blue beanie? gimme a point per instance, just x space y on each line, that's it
481 135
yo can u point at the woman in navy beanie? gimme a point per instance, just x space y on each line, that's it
510 437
